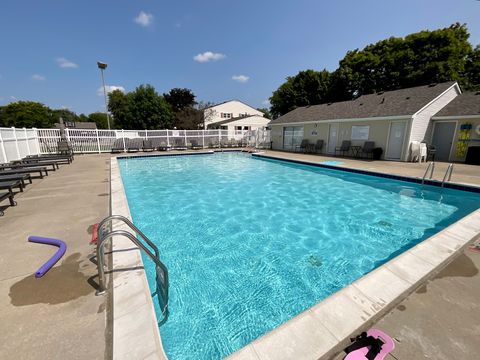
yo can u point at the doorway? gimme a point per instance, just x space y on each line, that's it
442 139
395 140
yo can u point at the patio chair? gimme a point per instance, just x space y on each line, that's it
148 146
11 184
319 146
7 195
367 148
40 170
303 145
431 150
344 148
179 144
117 146
21 177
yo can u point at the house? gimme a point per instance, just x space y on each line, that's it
233 116
392 119
456 130
84 125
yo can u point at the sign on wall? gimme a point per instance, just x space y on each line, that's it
360 132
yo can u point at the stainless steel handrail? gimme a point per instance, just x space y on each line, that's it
162 278
430 166
449 173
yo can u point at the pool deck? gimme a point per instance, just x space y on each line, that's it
57 316
439 320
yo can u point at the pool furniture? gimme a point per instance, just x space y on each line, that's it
40 170
355 149
147 146
319 146
50 157
21 177
344 148
194 144
64 147
46 164
58 161
431 151
179 144
117 146
11 184
133 145
62 247
303 145
367 148
7 195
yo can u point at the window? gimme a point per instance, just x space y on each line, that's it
292 136
360 132
238 128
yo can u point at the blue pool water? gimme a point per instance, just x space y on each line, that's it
250 243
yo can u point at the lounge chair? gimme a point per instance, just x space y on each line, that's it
133 145
7 195
11 184
367 148
194 144
303 145
53 165
21 177
345 148
70 158
58 161
179 144
147 146
117 146
319 146
40 170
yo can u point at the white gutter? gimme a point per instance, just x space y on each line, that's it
400 117
456 117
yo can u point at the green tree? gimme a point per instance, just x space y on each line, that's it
266 112
119 107
148 109
27 114
100 119
308 87
65 114
179 99
472 70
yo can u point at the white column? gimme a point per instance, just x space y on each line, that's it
219 138
98 142
16 142
26 139
185 136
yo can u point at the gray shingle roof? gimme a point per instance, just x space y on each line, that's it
390 103
467 104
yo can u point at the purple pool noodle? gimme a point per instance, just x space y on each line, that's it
53 260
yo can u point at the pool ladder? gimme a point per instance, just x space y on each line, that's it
148 247
448 174
431 167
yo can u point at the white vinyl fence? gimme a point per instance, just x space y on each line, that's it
17 143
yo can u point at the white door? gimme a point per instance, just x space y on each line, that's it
395 140
442 139
332 138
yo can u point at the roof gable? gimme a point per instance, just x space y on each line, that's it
465 104
403 102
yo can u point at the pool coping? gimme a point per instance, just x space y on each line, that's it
317 333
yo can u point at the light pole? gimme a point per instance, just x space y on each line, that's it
102 66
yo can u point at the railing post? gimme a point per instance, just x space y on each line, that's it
67 134
219 138
185 136
16 142
98 142
37 141
146 134
203 138
168 140
5 160
123 138
26 139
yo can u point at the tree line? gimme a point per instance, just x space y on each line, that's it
418 59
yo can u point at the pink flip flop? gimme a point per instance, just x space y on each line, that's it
385 343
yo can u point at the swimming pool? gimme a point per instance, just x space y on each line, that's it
251 243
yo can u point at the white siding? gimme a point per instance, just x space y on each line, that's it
254 122
234 107
422 125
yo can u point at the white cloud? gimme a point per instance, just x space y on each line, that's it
266 102
209 56
241 78
144 19
38 77
65 63
109 89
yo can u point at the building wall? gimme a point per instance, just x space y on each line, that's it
234 107
378 132
456 154
253 122
422 125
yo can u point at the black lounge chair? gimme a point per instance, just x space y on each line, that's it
117 146
11 184
133 145
42 161
367 148
303 145
21 177
147 146
179 144
68 158
194 144
344 148
40 170
319 146
46 164
7 195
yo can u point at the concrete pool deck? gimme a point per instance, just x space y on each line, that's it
57 316
80 200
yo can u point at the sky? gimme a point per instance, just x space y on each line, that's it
220 49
